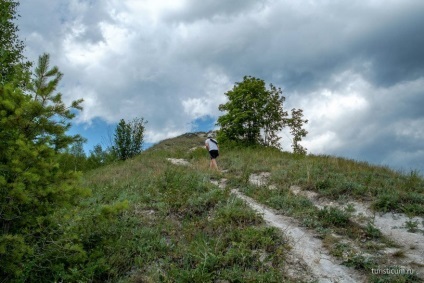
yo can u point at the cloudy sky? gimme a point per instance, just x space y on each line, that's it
355 67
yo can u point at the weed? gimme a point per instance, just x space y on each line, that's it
340 250
399 253
236 212
359 261
323 185
411 226
372 232
388 201
333 217
350 208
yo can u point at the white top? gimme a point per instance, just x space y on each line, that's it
211 145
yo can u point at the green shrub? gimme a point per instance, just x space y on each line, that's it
333 217
388 201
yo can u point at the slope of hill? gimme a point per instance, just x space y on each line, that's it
268 216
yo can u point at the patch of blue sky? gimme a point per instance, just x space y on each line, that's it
203 124
96 132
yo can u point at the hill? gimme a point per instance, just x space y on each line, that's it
267 216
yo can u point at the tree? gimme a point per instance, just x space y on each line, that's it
296 129
74 158
50 111
33 129
11 52
129 138
254 114
98 157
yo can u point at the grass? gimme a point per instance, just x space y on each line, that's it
333 177
150 221
170 224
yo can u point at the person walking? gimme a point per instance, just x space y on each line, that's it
212 147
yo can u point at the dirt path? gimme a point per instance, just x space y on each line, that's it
305 246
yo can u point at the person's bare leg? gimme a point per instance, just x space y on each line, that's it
214 165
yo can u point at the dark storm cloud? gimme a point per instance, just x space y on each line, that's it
211 9
393 45
305 48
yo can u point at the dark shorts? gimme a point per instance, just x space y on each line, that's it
214 154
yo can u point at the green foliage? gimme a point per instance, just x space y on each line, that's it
12 250
33 186
251 110
11 51
178 227
99 157
129 138
411 226
51 115
372 232
359 261
333 217
296 129
73 158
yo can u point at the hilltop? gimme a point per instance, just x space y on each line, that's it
267 216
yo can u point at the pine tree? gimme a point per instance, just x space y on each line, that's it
32 132
33 125
53 116
12 62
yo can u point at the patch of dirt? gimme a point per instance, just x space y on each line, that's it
260 179
177 161
195 148
391 225
222 184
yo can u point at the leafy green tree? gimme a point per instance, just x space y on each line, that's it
129 138
79 157
254 114
11 52
296 124
99 157
33 129
74 158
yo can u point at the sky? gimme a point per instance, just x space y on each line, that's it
355 67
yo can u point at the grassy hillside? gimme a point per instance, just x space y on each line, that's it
151 221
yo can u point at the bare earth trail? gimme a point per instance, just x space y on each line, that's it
305 246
